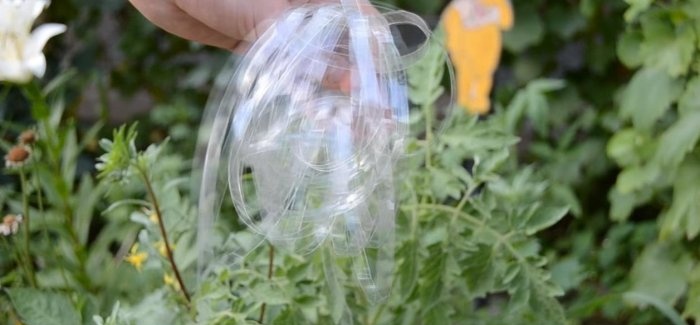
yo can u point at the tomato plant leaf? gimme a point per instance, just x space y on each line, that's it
648 96
37 307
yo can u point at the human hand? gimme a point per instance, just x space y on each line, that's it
228 24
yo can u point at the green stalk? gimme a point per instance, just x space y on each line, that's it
18 256
164 233
270 271
47 239
428 134
25 228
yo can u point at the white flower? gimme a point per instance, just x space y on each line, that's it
10 224
20 48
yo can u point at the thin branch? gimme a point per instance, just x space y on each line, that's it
502 239
270 270
164 234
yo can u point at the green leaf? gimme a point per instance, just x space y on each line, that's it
636 178
89 196
566 195
568 273
425 76
444 184
624 147
565 22
527 31
544 218
648 96
336 293
423 7
437 314
547 307
480 270
636 8
530 286
43 308
642 299
683 215
433 236
678 140
692 305
115 163
289 316
690 100
432 274
152 309
629 49
588 7
667 47
661 272
269 293
622 204
537 105
408 272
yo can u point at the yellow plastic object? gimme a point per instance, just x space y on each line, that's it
473 30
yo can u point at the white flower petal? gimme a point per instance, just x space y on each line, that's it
36 64
40 36
14 71
38 7
4 230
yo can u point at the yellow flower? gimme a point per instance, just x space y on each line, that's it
136 258
169 280
153 217
161 248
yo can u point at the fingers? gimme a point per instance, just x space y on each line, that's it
166 15
229 24
238 19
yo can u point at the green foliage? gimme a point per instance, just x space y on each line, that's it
116 163
658 153
649 94
113 319
659 101
43 308
528 29
575 202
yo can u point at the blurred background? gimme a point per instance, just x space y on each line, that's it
128 68
565 67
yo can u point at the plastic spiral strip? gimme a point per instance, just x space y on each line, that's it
306 133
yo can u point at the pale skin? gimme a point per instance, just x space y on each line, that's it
228 24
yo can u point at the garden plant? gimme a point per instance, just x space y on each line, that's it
575 201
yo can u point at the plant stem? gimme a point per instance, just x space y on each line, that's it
47 239
428 134
378 314
164 234
3 95
270 271
25 228
502 239
18 256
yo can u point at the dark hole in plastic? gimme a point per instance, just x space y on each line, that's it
408 38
